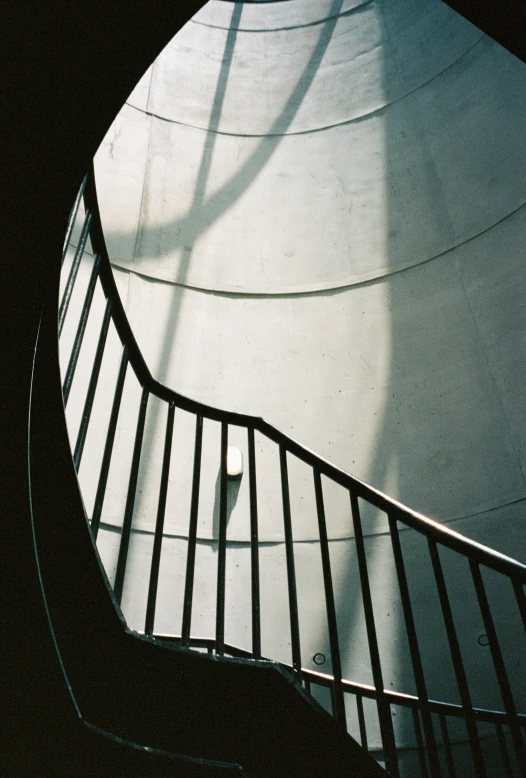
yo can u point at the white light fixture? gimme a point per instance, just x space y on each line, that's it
234 462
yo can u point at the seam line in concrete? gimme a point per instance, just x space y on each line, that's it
311 130
350 12
315 290
232 542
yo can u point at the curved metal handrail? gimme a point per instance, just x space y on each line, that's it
478 555
418 521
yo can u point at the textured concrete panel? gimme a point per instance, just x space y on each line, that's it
356 201
281 80
126 146
492 272
275 15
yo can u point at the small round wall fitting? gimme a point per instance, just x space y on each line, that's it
319 659
483 640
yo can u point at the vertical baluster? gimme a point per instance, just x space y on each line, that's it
339 702
291 573
221 550
254 547
416 660
130 499
108 446
504 751
458 664
518 588
159 524
73 217
192 535
361 722
447 747
72 364
419 743
73 272
92 387
384 710
498 664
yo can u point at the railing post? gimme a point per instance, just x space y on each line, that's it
221 549
130 499
518 589
108 446
339 702
361 722
458 664
79 337
92 387
504 751
254 547
192 535
384 709
416 660
291 573
73 272
499 666
159 524
447 747
73 217
419 743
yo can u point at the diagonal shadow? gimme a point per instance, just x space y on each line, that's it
204 212
153 426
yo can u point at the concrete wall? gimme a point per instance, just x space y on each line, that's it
315 211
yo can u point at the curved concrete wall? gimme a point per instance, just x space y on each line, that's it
316 214
283 155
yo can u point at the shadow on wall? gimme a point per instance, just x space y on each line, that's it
205 211
232 493
436 329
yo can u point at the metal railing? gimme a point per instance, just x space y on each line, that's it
429 717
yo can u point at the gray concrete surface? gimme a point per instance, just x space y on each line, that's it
315 212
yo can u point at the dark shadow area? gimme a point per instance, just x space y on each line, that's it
504 20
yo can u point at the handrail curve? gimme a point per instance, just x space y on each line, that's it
428 714
418 521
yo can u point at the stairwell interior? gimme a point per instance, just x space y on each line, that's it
314 213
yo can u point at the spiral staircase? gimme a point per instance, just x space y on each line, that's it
86 694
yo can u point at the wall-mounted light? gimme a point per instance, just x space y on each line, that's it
234 462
